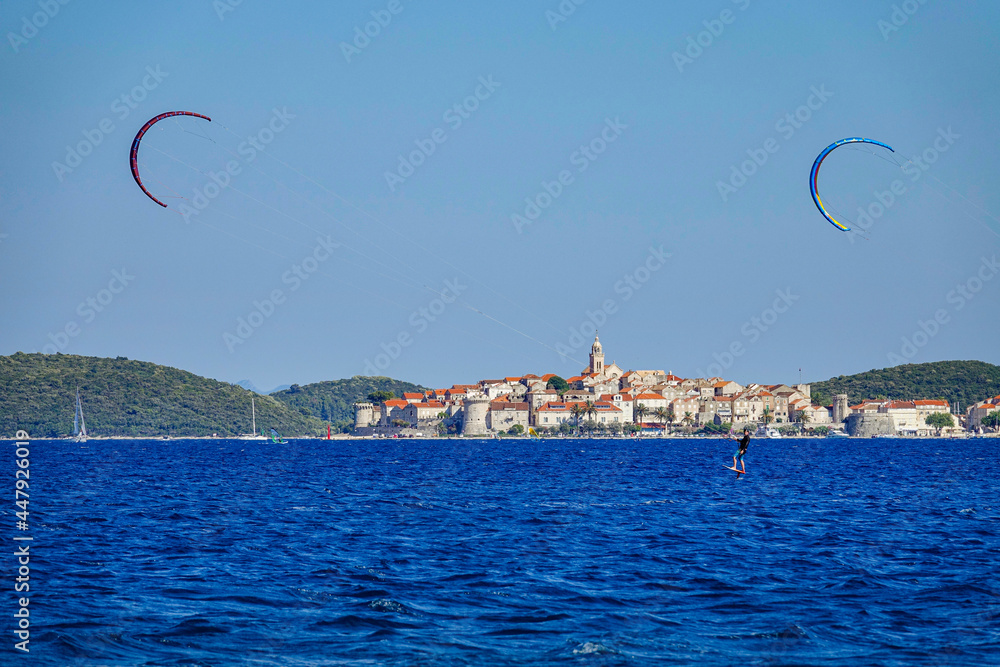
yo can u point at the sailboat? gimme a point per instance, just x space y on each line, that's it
79 425
253 425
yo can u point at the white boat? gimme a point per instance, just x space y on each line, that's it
767 432
253 435
79 425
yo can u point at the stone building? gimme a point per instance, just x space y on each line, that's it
504 415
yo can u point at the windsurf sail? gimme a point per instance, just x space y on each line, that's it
532 433
276 437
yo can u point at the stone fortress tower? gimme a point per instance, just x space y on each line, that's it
840 409
475 409
364 415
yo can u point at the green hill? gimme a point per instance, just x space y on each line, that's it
333 401
964 382
131 398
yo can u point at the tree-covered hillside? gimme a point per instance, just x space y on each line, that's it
964 382
334 400
131 398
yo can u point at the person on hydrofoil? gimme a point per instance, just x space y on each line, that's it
743 442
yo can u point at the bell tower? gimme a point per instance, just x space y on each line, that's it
596 356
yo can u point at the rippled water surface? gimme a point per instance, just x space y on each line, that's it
589 552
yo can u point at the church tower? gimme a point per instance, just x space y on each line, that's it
596 356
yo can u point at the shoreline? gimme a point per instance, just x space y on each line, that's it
343 437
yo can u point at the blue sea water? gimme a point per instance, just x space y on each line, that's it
561 552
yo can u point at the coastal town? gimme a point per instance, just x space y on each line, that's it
604 399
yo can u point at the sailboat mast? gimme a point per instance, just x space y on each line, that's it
253 417
78 420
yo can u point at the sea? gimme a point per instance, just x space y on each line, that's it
512 552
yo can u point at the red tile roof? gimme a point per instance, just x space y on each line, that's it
565 406
504 405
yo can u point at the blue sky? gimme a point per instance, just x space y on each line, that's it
311 262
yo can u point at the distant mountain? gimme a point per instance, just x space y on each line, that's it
334 401
964 382
249 386
131 398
